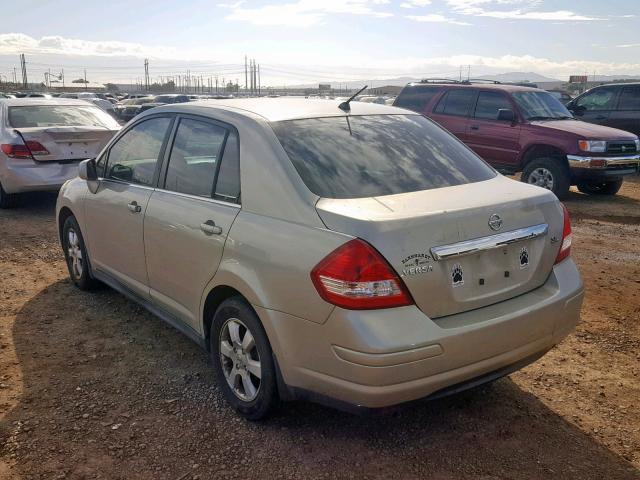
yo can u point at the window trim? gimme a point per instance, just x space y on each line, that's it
122 133
162 177
474 99
501 93
614 101
618 103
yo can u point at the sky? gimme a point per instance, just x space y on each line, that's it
308 41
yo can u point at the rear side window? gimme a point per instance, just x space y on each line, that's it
368 156
456 102
228 183
60 116
489 103
416 97
194 157
630 98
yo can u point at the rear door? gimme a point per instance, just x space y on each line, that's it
495 141
627 114
453 109
115 213
595 106
416 97
189 217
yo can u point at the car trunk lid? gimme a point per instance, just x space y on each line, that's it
441 244
66 143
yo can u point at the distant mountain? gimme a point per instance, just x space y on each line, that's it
520 77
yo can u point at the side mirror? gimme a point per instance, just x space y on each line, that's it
506 115
578 109
88 172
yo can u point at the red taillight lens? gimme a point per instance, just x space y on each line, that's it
565 248
355 276
15 151
20 150
37 148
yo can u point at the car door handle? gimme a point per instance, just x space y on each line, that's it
210 228
475 127
134 207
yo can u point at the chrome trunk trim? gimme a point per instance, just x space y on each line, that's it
469 247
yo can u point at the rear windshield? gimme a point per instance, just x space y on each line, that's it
375 155
59 116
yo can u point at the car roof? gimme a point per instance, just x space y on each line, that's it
617 84
278 109
20 102
491 86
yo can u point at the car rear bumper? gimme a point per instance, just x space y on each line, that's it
381 358
602 166
29 176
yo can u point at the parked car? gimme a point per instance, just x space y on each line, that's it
363 259
134 107
43 140
562 95
523 129
616 105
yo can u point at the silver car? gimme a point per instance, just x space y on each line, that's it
357 255
43 140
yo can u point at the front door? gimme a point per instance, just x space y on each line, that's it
188 219
596 105
115 213
494 140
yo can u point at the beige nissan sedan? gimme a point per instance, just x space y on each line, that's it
353 254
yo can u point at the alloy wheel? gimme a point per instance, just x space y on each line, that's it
541 177
75 253
240 359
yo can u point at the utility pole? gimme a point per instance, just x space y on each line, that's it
23 64
62 75
85 78
15 78
259 82
146 74
246 84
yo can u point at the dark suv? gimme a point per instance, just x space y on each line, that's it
524 129
616 105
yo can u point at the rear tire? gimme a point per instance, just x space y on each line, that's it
551 173
600 187
243 360
75 253
7 200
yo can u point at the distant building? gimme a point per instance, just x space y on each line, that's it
386 90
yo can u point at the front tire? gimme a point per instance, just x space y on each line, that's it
551 173
75 253
243 360
600 187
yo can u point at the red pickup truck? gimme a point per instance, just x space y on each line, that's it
524 129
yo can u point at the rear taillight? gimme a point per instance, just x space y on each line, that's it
355 276
20 150
37 148
565 248
15 151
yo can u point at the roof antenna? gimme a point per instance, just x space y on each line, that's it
345 105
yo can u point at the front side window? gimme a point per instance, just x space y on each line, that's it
489 103
456 102
599 99
194 157
630 98
133 158
374 155
60 116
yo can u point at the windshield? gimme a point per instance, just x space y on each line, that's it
540 106
368 156
60 116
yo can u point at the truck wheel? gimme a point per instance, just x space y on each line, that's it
550 173
600 187
7 200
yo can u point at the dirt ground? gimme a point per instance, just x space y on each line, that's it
93 387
